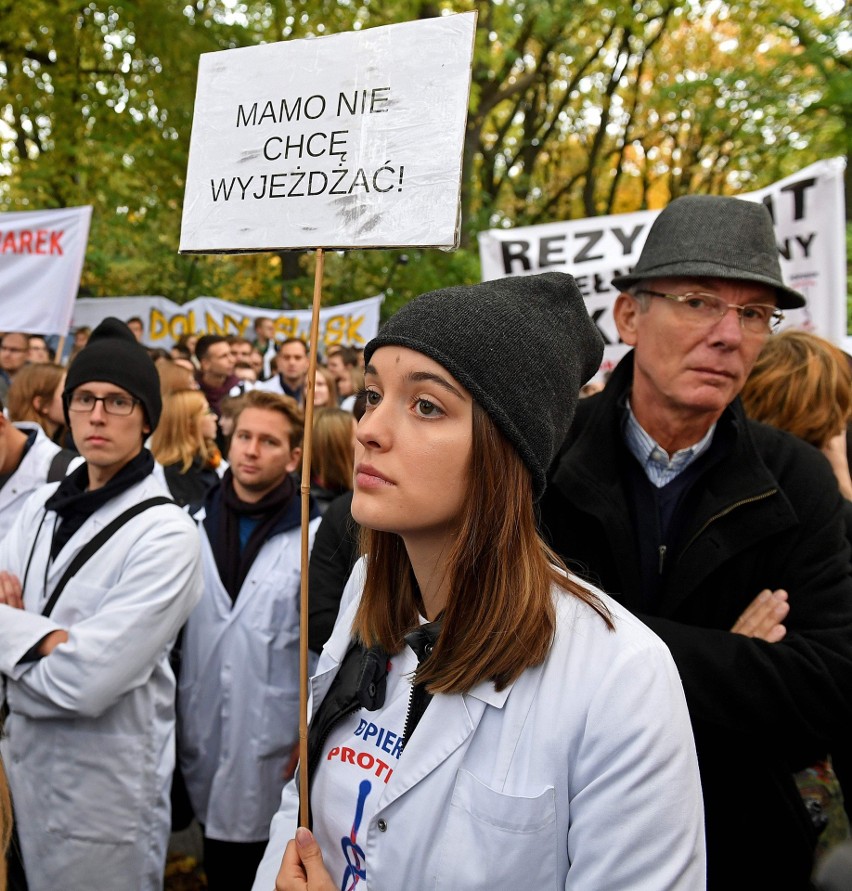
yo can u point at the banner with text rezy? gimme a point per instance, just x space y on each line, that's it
352 324
351 140
41 258
808 211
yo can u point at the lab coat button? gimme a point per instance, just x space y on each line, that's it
383 826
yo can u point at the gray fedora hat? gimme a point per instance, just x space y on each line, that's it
716 237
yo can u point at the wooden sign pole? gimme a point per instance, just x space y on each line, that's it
304 803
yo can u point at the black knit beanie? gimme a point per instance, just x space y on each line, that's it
113 355
523 346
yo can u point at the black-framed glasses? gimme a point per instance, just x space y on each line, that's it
114 403
708 309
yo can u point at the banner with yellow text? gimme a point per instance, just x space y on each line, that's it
348 323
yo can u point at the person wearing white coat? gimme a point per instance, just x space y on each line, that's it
238 691
89 745
593 748
26 456
481 717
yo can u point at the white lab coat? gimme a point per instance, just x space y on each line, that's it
90 736
238 696
580 775
271 385
30 474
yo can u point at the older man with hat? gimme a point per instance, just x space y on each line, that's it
666 495
99 573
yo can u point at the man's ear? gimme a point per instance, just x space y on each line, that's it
626 314
295 459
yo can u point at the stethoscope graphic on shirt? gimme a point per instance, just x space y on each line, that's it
352 851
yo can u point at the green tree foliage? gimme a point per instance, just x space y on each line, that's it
578 108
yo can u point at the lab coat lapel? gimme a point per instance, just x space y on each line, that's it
447 724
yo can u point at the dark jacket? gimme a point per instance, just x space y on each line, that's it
766 513
333 555
189 487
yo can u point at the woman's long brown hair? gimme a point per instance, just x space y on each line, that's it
333 453
500 616
34 380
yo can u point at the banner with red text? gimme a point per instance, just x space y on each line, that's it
41 258
808 212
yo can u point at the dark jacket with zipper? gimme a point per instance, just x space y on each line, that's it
763 512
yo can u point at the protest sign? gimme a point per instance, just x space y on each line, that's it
807 209
41 258
351 324
351 140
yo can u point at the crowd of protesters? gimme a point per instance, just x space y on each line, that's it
563 632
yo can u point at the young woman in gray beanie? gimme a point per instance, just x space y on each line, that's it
481 719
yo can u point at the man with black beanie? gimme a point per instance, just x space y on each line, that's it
99 574
238 697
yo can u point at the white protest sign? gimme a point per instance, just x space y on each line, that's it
346 141
352 324
808 211
41 258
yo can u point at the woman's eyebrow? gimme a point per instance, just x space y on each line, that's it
420 376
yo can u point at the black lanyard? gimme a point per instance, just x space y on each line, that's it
88 549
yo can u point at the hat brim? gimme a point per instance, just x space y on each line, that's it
787 297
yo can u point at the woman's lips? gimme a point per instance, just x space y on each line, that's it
368 477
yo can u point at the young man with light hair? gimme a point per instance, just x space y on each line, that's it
239 683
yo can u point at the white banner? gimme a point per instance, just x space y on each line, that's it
351 140
351 324
41 258
808 212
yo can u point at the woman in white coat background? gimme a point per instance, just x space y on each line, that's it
89 747
480 718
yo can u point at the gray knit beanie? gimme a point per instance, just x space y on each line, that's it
523 346
113 355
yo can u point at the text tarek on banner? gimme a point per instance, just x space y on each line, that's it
41 258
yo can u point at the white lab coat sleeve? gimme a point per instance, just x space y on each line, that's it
20 631
115 648
281 830
638 785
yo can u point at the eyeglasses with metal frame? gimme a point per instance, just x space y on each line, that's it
114 403
703 308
